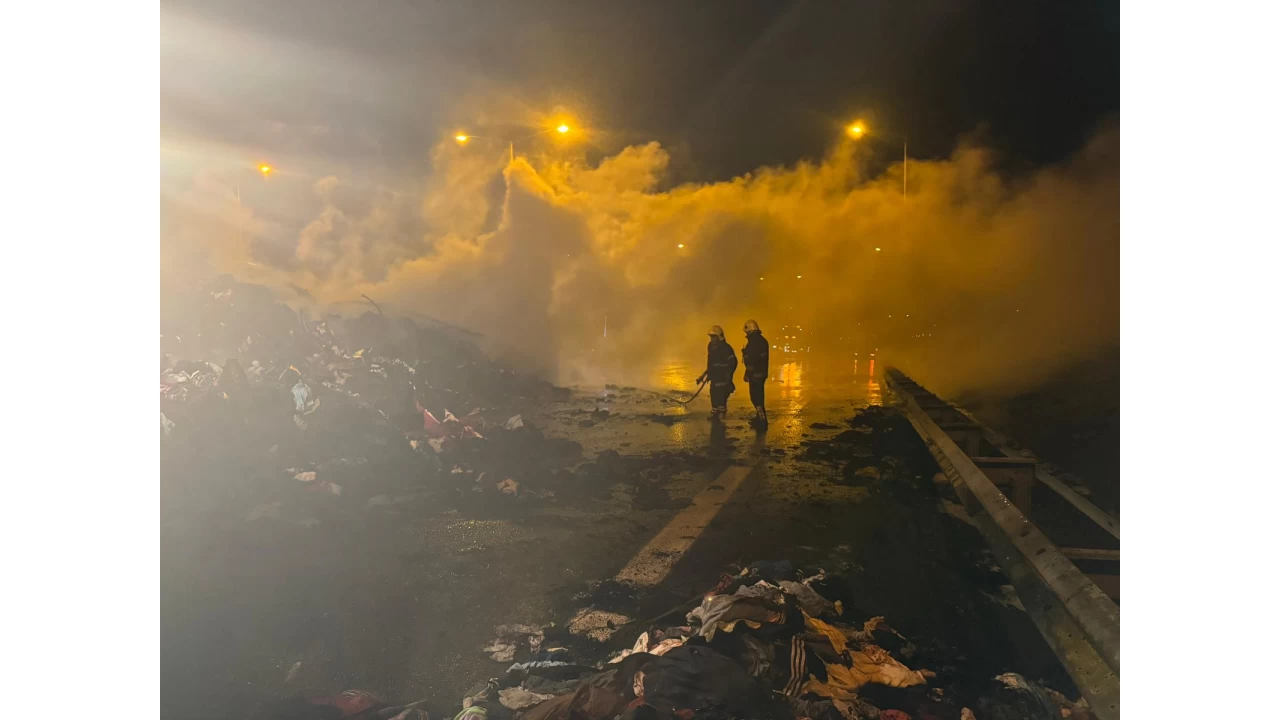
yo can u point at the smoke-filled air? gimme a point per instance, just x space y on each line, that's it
594 272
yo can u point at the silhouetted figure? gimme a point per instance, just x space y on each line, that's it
721 365
755 359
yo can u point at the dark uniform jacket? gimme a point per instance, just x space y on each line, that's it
722 363
755 356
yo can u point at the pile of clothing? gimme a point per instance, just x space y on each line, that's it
764 643
361 408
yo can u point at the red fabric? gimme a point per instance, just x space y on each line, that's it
725 580
350 702
894 715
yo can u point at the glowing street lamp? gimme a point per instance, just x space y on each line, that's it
562 129
265 169
858 130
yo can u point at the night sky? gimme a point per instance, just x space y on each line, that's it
726 86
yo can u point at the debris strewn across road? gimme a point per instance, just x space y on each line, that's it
372 503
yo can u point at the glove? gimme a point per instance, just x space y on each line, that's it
701 378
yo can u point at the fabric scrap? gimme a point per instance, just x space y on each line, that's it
723 611
758 655
588 701
810 601
837 638
509 640
517 698
874 665
695 677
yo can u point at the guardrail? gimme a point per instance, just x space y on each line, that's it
1077 619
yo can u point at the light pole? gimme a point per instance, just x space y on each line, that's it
858 130
463 138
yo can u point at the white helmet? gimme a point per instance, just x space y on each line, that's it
716 331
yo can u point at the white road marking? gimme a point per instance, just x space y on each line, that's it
654 561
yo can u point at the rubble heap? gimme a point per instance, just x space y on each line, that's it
260 403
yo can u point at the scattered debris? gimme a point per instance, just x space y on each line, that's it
598 625
1022 698
763 643
350 704
957 511
1009 598
511 639
325 486
870 472
517 698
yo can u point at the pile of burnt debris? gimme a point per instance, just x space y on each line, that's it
766 642
283 419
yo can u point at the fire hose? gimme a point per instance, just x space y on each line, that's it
695 394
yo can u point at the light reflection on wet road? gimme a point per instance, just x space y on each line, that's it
799 391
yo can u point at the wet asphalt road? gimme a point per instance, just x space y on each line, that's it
401 600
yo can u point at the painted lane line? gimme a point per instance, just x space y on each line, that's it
654 561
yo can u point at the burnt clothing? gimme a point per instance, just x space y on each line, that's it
756 386
696 678
755 356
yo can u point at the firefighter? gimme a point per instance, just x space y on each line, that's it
722 363
755 361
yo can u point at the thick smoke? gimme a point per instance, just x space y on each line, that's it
970 280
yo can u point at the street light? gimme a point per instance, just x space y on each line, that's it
858 130
265 169
563 129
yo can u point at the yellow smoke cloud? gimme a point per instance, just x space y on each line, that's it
1001 280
